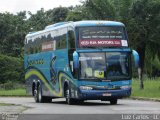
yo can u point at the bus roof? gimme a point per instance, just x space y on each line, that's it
76 24
98 23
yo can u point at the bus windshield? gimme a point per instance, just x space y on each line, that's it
109 65
105 36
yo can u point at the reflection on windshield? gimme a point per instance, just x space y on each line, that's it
92 65
110 65
117 65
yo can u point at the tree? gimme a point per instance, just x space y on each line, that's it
11 68
77 13
38 21
13 30
99 9
58 14
43 18
121 9
144 27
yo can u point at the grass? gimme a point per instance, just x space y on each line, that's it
16 92
151 89
4 104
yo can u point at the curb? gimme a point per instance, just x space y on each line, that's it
144 98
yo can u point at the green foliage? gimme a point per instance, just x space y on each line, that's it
37 21
99 9
156 63
43 18
77 13
8 85
13 30
151 90
11 69
143 27
58 14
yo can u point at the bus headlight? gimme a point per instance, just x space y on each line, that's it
85 88
125 87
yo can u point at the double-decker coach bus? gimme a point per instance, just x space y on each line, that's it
84 60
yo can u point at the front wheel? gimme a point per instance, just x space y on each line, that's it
69 100
113 101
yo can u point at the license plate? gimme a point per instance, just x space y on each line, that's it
106 94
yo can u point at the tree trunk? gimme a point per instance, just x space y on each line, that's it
141 52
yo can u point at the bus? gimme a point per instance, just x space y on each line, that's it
78 61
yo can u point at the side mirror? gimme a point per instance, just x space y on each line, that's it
75 60
137 65
136 58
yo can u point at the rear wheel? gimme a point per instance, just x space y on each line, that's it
36 97
113 101
39 97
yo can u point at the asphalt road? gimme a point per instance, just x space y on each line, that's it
58 106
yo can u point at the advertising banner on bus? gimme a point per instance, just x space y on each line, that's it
103 43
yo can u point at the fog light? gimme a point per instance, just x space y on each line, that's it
125 87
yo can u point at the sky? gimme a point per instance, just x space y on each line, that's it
14 6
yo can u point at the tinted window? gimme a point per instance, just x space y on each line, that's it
61 40
71 39
117 65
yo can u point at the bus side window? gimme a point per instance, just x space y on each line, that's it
57 38
71 40
61 40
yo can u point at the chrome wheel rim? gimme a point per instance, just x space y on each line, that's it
67 95
39 94
35 95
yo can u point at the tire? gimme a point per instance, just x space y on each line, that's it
39 98
36 97
79 102
69 101
113 101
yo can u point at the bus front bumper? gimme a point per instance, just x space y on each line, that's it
104 94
